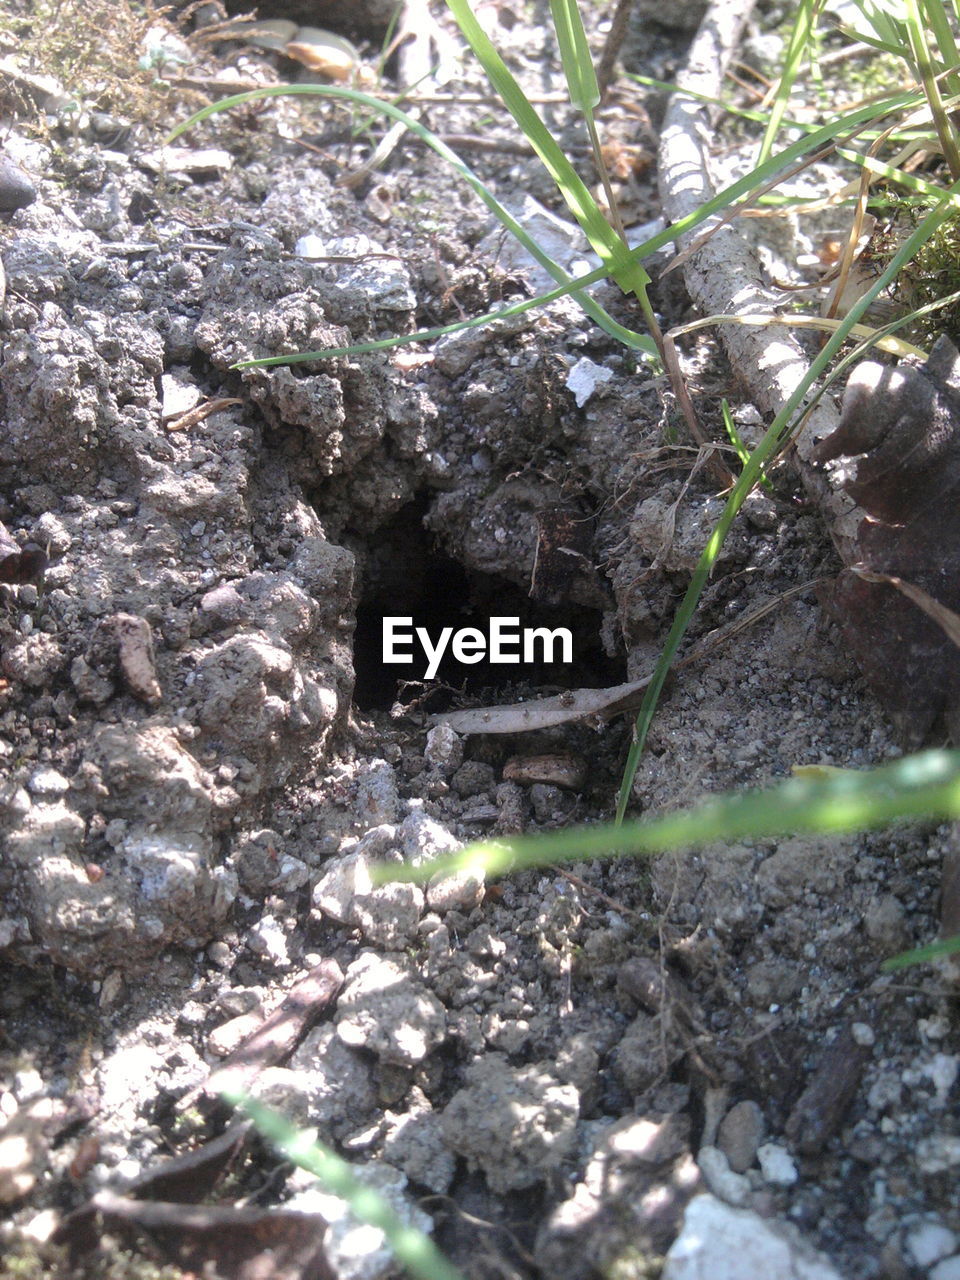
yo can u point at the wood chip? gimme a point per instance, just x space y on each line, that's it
833 1086
276 1038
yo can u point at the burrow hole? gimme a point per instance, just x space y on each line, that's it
408 575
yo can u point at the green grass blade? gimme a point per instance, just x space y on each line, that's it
411 1247
575 55
799 39
778 433
931 87
934 13
922 955
926 785
627 271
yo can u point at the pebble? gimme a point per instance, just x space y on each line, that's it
741 1133
777 1165
938 1153
585 378
16 189
948 1269
930 1242
737 1244
444 749
47 782
732 1188
385 1009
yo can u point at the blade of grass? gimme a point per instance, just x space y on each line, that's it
584 90
412 1248
922 955
735 438
800 35
931 87
614 253
741 188
926 785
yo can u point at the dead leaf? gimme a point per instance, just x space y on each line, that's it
899 442
243 1243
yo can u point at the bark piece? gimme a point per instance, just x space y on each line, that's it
278 1035
833 1086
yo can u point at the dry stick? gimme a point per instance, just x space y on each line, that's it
724 274
612 45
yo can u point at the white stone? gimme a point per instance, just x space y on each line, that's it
930 1242
938 1153
584 379
718 1242
733 1188
777 1165
948 1269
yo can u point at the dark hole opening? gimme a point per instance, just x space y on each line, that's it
408 576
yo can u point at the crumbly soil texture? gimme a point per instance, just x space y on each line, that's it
202 752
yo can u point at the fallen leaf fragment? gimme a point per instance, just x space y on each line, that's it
821 1107
243 1243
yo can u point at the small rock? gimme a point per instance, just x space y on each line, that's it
414 1142
461 891
731 1188
229 1035
47 783
267 938
777 1165
422 839
930 1242
736 1244
741 1133
185 162
16 189
377 795
516 1124
938 1153
585 378
385 1009
444 749
948 1269
341 1085
885 923
473 778
135 656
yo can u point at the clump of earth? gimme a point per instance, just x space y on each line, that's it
202 752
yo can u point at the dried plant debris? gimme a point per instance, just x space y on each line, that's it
246 1243
901 431
159 1216
277 1035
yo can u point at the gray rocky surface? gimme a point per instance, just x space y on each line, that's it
191 802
